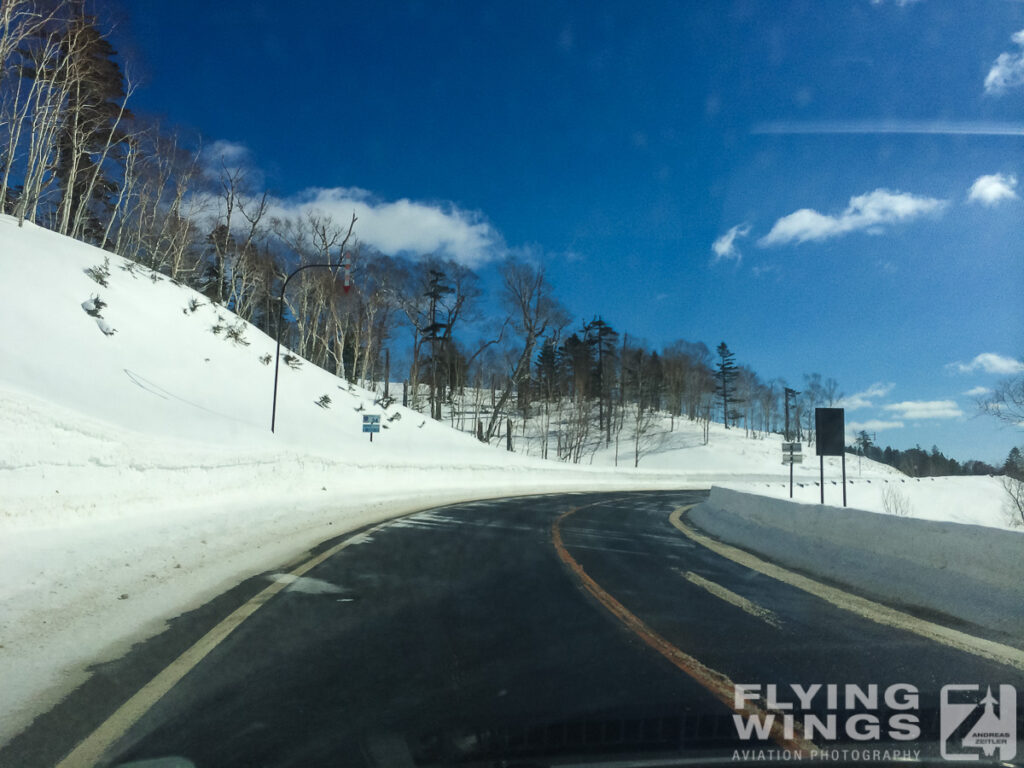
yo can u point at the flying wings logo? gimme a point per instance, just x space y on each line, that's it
973 721
976 722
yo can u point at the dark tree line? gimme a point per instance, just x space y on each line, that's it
917 462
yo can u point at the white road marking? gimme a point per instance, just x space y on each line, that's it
89 751
755 610
861 606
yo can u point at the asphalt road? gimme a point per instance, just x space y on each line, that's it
510 629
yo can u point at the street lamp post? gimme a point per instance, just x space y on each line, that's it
280 322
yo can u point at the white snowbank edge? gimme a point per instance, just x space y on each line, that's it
965 573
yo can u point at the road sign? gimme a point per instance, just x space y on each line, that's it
371 423
791 454
830 431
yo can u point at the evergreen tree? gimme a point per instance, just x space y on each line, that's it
654 382
436 334
726 376
576 362
605 341
1014 464
863 442
548 385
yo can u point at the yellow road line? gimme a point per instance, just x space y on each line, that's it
868 609
91 749
720 686
755 610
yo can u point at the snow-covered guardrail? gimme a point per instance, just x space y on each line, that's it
970 573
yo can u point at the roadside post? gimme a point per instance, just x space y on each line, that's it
830 436
371 424
792 454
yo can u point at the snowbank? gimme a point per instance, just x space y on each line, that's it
970 572
980 500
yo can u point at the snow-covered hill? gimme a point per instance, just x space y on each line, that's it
138 473
139 476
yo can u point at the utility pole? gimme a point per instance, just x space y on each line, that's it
789 394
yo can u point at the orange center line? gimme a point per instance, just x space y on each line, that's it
719 685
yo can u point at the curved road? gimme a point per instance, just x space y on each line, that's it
570 627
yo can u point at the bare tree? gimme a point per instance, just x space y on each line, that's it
533 311
50 71
644 410
23 45
90 135
810 399
324 314
1006 402
1014 488
19 21
158 215
232 184
831 392
111 138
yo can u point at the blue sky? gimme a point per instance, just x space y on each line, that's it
865 156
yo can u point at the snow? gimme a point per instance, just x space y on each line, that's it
966 500
971 572
139 477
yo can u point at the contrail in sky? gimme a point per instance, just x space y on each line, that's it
935 127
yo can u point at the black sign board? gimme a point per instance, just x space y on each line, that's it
830 426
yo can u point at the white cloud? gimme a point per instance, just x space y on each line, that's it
725 246
402 225
393 227
900 3
978 392
229 152
765 269
1008 70
864 399
222 155
222 160
990 362
872 425
869 212
990 190
925 409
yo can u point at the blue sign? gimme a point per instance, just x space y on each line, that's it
371 423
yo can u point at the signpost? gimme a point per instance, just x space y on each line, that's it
791 454
830 430
371 424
